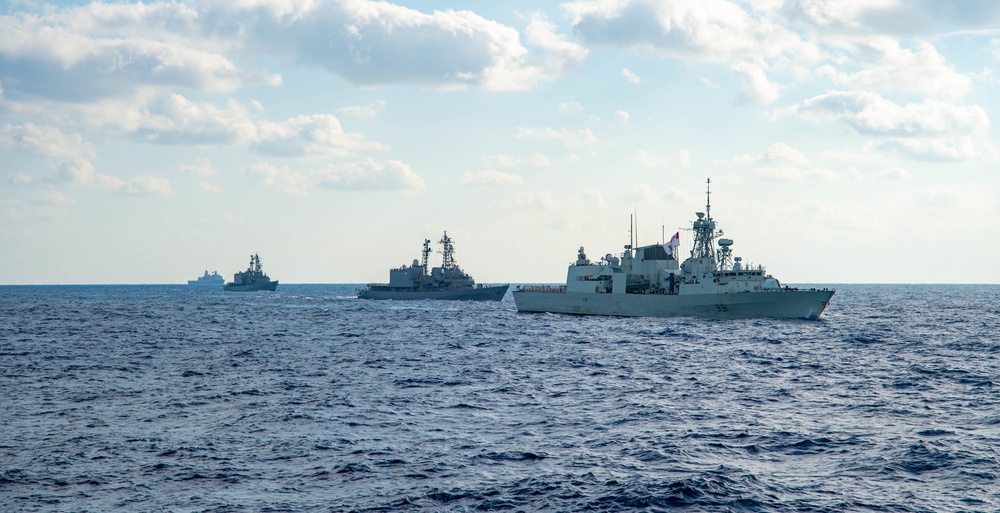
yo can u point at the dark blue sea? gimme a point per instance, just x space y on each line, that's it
170 398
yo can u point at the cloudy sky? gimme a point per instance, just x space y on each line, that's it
848 141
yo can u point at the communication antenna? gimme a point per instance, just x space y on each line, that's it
708 198
631 234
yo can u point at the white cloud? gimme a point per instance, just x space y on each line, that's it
540 200
885 66
570 107
315 135
944 199
710 84
943 149
174 119
644 193
143 185
751 41
895 173
884 165
560 57
543 200
867 156
369 175
209 187
100 51
933 130
502 160
539 160
105 50
41 206
681 159
222 220
911 17
44 141
778 153
592 198
869 113
758 88
793 174
715 30
490 177
535 159
369 111
201 167
623 115
71 157
284 179
20 179
631 77
571 138
377 43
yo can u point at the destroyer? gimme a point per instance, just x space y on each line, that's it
251 279
647 281
445 282
213 279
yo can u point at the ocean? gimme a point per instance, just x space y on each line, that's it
174 398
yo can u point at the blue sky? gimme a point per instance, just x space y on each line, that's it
847 141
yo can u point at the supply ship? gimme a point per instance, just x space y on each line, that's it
648 282
446 282
252 279
214 279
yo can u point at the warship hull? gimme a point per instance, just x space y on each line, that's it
494 293
781 304
252 287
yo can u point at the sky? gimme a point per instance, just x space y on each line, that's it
847 141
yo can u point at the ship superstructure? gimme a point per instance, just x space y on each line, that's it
648 281
447 281
252 279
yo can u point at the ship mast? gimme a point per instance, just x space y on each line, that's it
448 254
426 252
704 231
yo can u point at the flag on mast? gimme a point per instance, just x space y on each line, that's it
674 242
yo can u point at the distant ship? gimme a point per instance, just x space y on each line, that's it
251 279
213 279
648 282
445 282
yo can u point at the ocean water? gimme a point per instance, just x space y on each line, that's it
169 398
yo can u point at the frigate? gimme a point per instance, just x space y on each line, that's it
446 282
252 279
648 282
214 279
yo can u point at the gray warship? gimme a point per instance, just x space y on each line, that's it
445 282
214 279
648 282
252 279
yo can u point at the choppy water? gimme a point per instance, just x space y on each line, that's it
166 398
